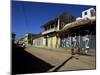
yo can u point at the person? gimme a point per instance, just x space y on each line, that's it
74 52
72 48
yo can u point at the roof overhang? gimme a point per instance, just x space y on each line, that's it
78 23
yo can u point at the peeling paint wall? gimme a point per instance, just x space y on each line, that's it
86 41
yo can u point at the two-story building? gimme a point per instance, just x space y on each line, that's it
51 29
81 33
66 30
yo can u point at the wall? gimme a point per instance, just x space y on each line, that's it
86 41
90 13
52 42
41 42
38 42
25 39
83 38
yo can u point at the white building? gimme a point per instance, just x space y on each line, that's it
88 14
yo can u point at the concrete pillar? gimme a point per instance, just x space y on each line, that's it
57 41
58 24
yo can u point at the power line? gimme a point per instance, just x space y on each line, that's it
24 13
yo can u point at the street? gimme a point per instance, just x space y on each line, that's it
38 60
24 62
61 59
53 57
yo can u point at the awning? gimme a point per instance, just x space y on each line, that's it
78 23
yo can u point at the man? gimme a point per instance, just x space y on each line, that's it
73 51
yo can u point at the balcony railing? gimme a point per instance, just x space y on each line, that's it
49 31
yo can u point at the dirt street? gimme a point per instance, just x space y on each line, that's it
58 58
53 57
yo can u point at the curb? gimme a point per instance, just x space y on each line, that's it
56 68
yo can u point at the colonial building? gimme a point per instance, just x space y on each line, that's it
52 28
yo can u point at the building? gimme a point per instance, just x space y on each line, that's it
52 28
28 38
38 41
13 38
81 33
65 31
88 14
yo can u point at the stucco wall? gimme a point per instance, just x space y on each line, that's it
52 42
38 42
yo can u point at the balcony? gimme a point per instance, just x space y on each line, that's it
49 31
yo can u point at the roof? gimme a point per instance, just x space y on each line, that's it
78 23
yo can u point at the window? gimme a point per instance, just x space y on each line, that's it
85 13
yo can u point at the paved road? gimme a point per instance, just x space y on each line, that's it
59 59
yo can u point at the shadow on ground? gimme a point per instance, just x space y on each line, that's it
23 62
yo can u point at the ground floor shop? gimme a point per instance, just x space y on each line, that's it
83 37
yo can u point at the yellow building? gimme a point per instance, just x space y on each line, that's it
28 38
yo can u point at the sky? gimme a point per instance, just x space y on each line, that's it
28 17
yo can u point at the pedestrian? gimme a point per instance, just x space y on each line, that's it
74 51
72 48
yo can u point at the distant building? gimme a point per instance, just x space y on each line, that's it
28 38
13 37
